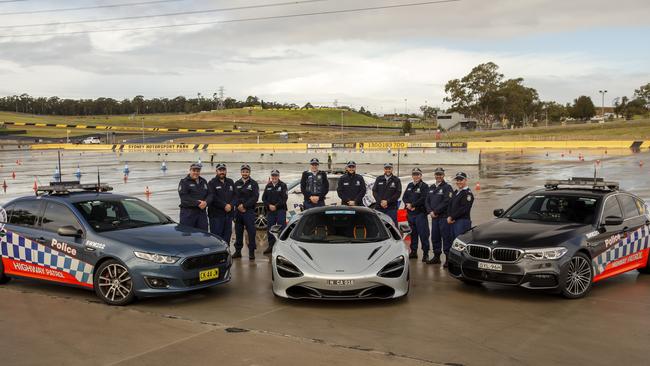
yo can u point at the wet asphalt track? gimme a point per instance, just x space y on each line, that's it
241 323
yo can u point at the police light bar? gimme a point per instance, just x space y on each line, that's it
594 183
72 186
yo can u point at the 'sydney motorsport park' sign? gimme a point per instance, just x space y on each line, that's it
155 147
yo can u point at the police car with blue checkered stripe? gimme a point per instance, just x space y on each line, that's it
564 237
119 246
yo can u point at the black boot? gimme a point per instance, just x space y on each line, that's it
251 254
446 264
268 250
413 255
425 257
237 254
435 259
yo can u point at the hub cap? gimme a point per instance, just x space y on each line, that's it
578 276
115 282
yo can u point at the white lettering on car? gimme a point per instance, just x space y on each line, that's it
64 247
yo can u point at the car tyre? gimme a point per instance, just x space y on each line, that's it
113 283
645 270
3 278
577 277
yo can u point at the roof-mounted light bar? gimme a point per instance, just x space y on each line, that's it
593 183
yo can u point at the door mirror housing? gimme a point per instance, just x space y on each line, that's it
498 212
404 229
69 230
276 229
613 220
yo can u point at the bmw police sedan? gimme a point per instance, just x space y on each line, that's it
564 237
119 246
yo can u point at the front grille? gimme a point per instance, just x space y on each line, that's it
504 278
375 292
479 251
505 254
204 261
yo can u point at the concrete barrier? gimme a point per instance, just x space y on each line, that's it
411 157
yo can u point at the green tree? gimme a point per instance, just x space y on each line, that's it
643 93
475 94
407 127
583 108
519 103
308 106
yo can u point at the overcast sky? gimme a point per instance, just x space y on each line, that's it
374 58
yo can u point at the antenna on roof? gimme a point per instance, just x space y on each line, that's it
99 183
60 172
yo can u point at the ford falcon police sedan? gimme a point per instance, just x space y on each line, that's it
564 237
119 246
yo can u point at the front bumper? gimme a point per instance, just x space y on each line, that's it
527 273
178 279
315 286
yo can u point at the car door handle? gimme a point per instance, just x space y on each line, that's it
40 239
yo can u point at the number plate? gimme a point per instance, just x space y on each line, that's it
490 266
340 282
209 274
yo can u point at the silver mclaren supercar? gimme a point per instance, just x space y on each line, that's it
340 253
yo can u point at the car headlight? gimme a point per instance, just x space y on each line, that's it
545 253
393 269
157 258
286 269
458 245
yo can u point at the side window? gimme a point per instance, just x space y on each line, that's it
57 215
643 209
628 203
25 213
612 208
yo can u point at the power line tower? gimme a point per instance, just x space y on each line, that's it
336 103
220 104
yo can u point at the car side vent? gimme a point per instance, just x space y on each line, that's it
306 252
373 252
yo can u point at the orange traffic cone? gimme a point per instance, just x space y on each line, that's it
35 187
477 187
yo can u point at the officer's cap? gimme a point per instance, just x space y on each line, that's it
350 163
416 171
439 171
388 165
275 172
245 167
196 166
460 176
314 161
221 166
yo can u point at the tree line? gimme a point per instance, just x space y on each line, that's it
484 94
25 103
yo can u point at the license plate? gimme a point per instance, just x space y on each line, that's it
340 282
490 266
209 274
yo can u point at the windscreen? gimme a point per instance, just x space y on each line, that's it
555 208
340 226
119 214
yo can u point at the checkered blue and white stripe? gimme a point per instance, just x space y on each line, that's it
635 241
17 247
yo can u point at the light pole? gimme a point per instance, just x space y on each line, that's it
406 109
602 111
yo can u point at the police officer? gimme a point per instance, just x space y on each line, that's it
247 193
351 187
437 202
460 207
386 191
221 203
414 202
314 185
275 201
193 191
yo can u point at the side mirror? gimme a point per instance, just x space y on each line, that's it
498 212
69 231
404 228
276 229
613 220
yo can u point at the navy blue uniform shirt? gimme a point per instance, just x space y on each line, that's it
275 195
247 193
416 194
387 189
220 194
461 204
192 191
351 187
438 198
